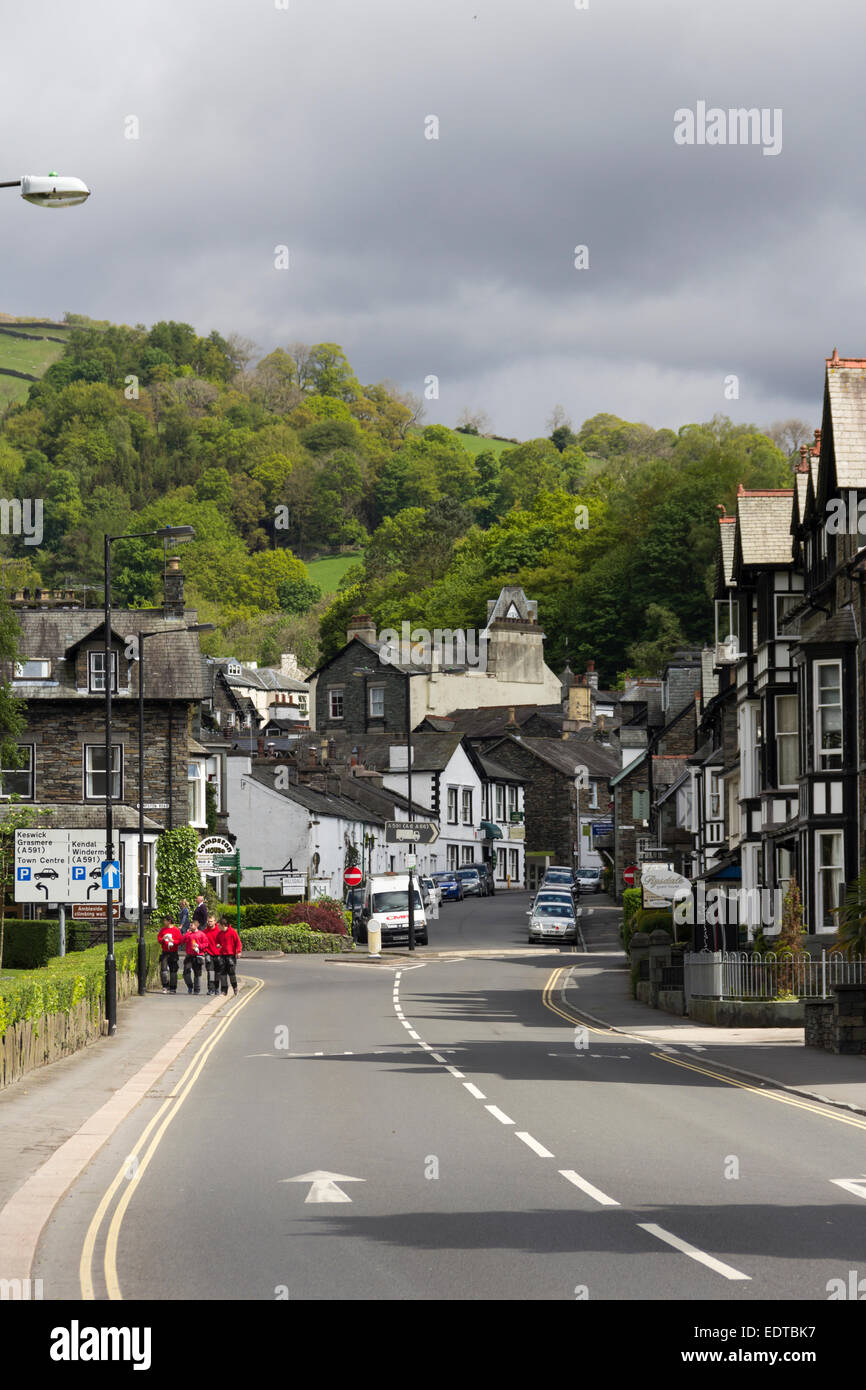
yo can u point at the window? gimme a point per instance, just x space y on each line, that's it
18 781
214 777
828 715
784 869
787 743
96 669
94 770
452 805
784 604
453 861
196 778
335 702
512 800
830 875
376 697
500 802
715 811
500 864
466 799
32 670
467 853
514 865
593 796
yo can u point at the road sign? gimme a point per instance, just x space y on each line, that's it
352 877
602 827
415 832
110 874
94 912
293 883
628 875
61 866
323 1186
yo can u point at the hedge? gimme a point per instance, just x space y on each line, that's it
29 944
631 904
61 984
299 937
654 918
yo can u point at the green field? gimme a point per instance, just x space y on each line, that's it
479 444
23 356
328 572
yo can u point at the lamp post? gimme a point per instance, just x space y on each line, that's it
164 533
141 638
50 190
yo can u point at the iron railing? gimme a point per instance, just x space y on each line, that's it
740 975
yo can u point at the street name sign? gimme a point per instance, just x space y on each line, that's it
413 832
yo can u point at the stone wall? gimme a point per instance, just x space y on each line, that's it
819 1023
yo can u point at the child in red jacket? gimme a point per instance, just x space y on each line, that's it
213 957
230 949
169 939
197 948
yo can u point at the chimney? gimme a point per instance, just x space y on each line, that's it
311 760
260 745
803 466
817 445
173 589
591 675
512 726
362 626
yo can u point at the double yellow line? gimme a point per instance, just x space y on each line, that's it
782 1097
163 1118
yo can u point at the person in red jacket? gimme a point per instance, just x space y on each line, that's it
169 939
197 948
230 949
213 958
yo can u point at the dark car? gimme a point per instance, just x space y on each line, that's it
47 873
561 878
472 881
451 885
354 903
486 873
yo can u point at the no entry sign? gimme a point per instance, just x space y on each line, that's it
352 877
628 875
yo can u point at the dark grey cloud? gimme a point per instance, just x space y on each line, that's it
304 126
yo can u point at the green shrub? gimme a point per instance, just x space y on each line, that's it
296 938
78 936
261 914
631 905
28 945
64 982
649 919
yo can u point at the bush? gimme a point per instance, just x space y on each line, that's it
64 982
29 945
78 936
261 914
324 919
290 939
631 905
649 919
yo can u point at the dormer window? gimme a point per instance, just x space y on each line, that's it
32 669
96 671
233 668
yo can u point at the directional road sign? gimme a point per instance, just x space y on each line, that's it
59 866
414 832
110 874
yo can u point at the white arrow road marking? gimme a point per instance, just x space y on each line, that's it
324 1186
693 1252
855 1185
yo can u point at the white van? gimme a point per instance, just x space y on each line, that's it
386 905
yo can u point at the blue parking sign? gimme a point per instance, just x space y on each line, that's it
24 875
79 871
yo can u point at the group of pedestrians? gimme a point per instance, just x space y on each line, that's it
203 939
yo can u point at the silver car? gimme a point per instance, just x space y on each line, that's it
552 921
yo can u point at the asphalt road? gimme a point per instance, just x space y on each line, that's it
486 1146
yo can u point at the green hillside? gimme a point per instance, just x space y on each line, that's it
481 444
327 573
33 356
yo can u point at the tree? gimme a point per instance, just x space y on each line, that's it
473 421
789 947
851 919
297 595
664 637
176 873
789 434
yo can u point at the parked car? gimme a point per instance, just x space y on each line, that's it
451 885
487 871
353 901
431 892
386 906
589 880
559 877
552 921
554 895
471 880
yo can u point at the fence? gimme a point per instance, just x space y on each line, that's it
738 975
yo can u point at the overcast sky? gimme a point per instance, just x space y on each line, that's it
304 126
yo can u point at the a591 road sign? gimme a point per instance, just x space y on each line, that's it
411 832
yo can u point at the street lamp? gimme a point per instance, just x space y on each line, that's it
50 190
163 533
141 637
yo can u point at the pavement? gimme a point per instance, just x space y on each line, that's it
599 988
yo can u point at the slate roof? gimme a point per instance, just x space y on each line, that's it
727 537
258 678
172 668
565 755
763 530
497 773
846 394
489 721
842 627
430 752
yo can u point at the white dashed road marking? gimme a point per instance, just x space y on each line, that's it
595 1193
533 1144
499 1115
727 1271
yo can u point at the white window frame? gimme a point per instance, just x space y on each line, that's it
451 801
96 681
836 873
788 599
337 692
90 772
827 759
453 857
379 692
789 735
500 803
466 805
23 673
196 776
714 796
26 771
